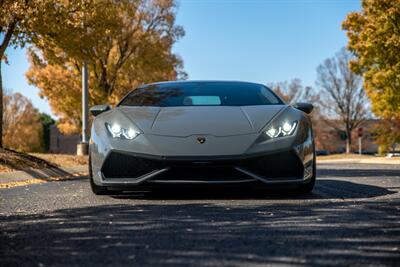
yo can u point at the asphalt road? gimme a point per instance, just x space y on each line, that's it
351 219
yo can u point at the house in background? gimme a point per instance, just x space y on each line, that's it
62 144
328 138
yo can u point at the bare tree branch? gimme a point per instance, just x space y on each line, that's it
343 94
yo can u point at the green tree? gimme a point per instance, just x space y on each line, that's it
374 38
46 121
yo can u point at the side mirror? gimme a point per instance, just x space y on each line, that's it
305 107
98 109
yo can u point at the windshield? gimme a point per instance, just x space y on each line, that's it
201 94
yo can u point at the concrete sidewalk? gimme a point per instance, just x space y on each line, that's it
372 160
28 176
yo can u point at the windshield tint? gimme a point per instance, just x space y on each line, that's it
201 94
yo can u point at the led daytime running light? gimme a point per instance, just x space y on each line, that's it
282 130
117 131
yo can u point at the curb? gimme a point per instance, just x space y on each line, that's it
360 161
34 176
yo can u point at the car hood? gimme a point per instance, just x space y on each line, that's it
201 120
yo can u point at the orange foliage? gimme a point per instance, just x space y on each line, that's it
22 126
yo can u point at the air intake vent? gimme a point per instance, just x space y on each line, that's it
279 165
118 165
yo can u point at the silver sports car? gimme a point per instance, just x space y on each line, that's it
199 133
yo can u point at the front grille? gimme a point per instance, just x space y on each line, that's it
118 165
203 173
279 165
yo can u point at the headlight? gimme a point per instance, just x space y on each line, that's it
117 131
285 129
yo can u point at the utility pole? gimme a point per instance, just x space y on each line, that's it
83 146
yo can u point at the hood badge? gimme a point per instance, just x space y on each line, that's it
201 140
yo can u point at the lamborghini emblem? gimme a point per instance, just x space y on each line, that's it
201 140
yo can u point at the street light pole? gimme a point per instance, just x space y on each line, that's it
85 103
83 146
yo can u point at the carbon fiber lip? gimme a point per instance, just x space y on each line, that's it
199 158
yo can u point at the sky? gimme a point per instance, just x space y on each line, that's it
246 40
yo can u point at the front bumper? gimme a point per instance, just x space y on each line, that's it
124 169
221 160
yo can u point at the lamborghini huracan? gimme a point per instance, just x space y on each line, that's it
201 133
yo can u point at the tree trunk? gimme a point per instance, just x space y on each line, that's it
348 142
1 108
3 46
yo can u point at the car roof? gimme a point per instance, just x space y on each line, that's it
195 81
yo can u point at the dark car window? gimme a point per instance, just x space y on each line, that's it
201 94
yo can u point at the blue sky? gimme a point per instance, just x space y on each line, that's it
255 40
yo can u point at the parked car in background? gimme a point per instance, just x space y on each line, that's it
322 152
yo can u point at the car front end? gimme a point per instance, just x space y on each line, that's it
134 146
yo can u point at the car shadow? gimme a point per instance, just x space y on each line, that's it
205 234
331 184
342 223
324 189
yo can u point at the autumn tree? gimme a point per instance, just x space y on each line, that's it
125 43
387 135
374 37
343 97
22 23
22 124
12 32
